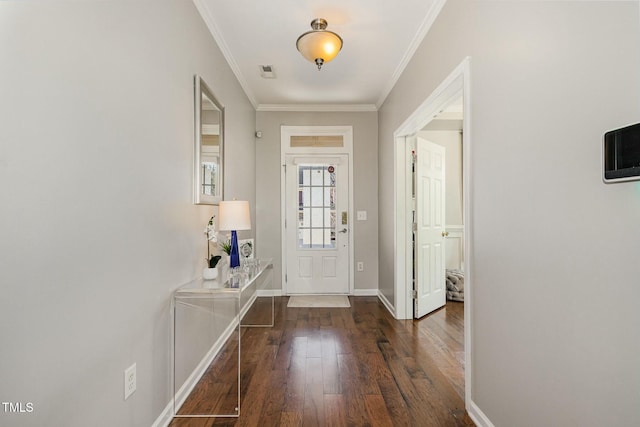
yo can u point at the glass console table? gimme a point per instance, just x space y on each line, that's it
206 334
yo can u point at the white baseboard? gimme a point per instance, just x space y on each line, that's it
478 416
387 304
166 416
365 292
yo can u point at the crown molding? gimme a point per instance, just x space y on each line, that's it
217 36
318 107
424 28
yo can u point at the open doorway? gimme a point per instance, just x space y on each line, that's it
436 204
446 131
446 98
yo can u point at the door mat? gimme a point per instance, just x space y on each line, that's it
319 301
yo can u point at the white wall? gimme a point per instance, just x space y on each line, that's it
555 303
365 173
97 221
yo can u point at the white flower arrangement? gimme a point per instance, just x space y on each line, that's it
212 236
210 231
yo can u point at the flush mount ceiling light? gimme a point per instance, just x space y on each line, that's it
319 45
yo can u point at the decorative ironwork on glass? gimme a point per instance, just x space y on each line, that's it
316 206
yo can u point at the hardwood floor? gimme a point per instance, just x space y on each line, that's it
342 367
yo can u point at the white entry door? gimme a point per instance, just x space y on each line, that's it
317 224
429 240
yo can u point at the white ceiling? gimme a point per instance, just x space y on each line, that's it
380 36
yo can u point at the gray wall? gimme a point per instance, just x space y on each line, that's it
555 250
97 221
365 173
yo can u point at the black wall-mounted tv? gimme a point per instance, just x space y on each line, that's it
621 154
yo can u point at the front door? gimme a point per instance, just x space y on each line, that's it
429 227
317 224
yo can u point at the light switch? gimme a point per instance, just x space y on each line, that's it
362 215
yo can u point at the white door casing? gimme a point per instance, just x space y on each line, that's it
430 222
457 83
342 154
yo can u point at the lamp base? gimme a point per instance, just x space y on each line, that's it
234 255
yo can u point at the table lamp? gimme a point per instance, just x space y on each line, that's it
234 215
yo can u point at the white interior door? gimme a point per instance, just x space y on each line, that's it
317 224
430 216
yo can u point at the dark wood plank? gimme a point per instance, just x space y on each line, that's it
291 419
274 401
335 410
341 367
314 370
330 371
353 390
296 377
254 396
313 414
377 410
393 399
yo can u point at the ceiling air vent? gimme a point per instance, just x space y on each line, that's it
267 71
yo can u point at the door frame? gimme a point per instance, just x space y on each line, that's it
456 84
286 132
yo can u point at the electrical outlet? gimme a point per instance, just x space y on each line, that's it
360 266
129 381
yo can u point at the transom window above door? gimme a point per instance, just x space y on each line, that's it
319 141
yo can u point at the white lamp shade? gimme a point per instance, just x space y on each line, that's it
234 215
323 45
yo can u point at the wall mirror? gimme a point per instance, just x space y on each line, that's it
209 146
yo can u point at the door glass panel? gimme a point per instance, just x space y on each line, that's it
317 198
305 177
316 218
317 237
209 177
306 196
329 236
327 218
316 206
317 176
305 218
304 235
327 178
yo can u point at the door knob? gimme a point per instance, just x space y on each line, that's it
445 233
344 230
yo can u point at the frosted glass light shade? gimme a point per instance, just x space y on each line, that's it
234 215
319 46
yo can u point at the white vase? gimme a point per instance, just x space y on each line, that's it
209 273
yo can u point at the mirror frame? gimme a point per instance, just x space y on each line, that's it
200 87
